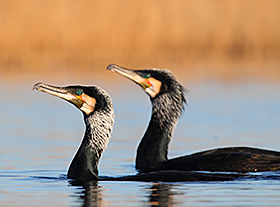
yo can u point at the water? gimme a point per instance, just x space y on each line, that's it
40 134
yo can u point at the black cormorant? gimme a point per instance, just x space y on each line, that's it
168 99
97 108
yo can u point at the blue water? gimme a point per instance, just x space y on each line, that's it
40 134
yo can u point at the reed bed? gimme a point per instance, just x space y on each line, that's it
68 35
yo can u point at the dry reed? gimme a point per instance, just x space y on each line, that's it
87 35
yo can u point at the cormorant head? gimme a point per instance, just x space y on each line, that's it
85 98
153 81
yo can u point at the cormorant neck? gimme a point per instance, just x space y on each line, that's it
99 126
153 148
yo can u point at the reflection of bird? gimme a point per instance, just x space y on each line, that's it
167 97
97 108
163 194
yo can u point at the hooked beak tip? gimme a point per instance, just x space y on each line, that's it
111 66
37 86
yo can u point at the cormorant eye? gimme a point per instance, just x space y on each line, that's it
146 75
79 92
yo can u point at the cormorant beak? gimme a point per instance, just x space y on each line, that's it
150 85
63 93
130 74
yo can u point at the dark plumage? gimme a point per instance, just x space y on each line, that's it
97 108
168 99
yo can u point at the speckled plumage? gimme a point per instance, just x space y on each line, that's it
167 105
97 108
99 126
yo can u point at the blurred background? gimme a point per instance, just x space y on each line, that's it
218 38
226 52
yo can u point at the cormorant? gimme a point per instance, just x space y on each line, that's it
168 99
97 108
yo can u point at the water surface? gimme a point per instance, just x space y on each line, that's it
40 134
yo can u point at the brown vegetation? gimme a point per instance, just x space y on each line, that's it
68 35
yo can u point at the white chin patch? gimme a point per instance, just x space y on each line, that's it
154 89
89 105
87 108
151 91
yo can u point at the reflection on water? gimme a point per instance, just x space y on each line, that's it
88 193
91 194
161 195
40 134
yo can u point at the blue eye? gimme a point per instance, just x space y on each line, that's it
146 75
79 92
